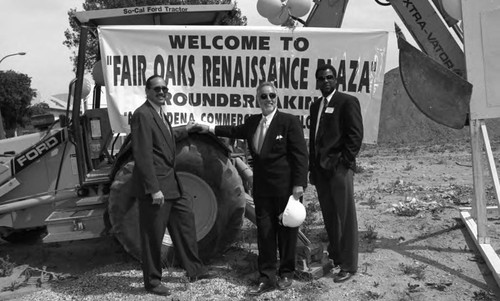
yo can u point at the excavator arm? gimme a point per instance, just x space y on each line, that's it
327 13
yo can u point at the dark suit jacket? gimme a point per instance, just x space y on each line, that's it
340 134
154 154
282 162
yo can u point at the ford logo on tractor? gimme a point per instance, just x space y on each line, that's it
29 156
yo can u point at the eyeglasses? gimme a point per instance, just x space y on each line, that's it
322 78
161 89
270 95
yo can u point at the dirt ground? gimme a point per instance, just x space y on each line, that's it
413 244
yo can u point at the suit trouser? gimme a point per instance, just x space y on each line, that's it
336 198
271 236
176 215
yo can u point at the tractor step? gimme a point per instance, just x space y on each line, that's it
66 225
91 200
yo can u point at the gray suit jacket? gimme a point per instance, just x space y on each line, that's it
154 153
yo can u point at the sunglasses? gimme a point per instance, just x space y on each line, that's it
322 78
270 95
161 89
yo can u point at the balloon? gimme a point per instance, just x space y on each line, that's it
86 88
97 73
280 18
269 8
453 8
299 8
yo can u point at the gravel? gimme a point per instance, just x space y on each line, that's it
123 281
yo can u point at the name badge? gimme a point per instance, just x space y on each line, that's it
329 110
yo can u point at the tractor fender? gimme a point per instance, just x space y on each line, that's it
209 177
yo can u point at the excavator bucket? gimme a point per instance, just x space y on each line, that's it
439 93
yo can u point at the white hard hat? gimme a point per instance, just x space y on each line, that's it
294 213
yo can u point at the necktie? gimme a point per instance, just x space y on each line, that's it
261 134
164 119
321 112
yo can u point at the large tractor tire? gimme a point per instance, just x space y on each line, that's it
209 177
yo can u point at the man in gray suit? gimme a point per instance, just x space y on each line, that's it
162 201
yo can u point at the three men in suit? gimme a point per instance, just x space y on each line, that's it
280 170
162 201
335 138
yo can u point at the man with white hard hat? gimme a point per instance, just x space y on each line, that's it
280 163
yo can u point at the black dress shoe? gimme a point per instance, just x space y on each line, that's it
159 290
284 283
205 275
342 276
263 287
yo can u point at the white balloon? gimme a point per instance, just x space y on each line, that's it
281 18
269 8
299 8
453 8
86 88
98 74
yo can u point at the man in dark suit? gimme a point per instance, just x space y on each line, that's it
335 138
162 201
280 170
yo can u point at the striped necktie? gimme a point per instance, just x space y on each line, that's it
260 135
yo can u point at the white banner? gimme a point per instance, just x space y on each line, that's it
212 71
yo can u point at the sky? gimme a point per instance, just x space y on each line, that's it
37 28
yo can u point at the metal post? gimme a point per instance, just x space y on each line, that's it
77 99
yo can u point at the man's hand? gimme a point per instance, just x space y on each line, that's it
158 198
190 127
200 128
298 192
